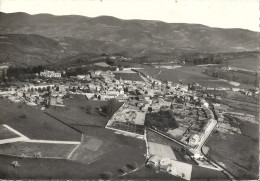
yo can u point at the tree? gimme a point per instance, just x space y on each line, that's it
88 109
133 165
165 122
106 175
15 164
123 170
171 106
37 155
125 89
22 116
111 106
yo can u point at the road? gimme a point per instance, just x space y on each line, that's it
205 137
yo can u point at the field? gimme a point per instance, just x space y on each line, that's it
245 63
91 149
163 151
30 149
149 174
194 74
74 113
244 107
238 153
109 135
154 137
185 75
128 76
201 173
150 71
102 150
240 97
249 129
5 133
34 123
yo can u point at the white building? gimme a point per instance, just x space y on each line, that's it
47 73
194 139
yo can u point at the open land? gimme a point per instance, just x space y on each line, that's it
38 125
235 152
185 75
128 76
245 63
46 150
5 133
75 111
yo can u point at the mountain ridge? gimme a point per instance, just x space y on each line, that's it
77 34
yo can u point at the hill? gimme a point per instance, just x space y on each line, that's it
28 49
139 38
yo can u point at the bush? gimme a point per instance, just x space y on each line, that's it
22 116
88 109
122 170
106 175
133 165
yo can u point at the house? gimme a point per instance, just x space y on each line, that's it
112 94
156 107
61 88
218 97
235 89
91 86
147 97
169 83
50 74
122 98
128 82
81 76
154 161
121 91
117 82
194 139
98 72
141 97
89 95
184 88
158 83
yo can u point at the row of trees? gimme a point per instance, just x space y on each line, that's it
232 76
207 60
108 175
21 73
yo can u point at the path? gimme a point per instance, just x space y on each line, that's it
158 73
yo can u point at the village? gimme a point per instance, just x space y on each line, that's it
183 113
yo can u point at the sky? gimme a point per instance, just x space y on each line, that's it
215 13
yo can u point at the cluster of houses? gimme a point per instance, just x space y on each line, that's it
50 74
189 108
